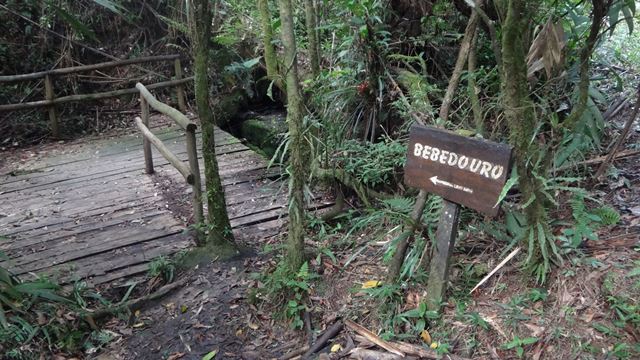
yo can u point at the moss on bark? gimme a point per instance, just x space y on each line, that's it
219 228
270 59
520 114
297 154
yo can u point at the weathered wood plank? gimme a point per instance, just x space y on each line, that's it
95 215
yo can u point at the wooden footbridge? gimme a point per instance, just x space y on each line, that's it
91 211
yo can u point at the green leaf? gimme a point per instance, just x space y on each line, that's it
628 17
512 344
210 355
270 90
634 272
505 189
108 4
413 313
251 63
529 341
74 23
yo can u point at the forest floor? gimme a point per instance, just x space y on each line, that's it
589 307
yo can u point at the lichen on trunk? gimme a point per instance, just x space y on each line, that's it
270 59
520 114
297 153
219 228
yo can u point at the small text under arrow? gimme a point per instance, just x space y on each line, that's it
436 181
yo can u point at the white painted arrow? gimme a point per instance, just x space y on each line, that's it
436 182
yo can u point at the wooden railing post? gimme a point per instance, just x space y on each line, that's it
146 145
180 88
192 152
49 95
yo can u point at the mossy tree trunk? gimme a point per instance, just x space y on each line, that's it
220 234
297 149
270 59
312 36
519 112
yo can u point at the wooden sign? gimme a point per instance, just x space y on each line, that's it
467 171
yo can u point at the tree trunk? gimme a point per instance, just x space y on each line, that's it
478 120
312 35
297 150
220 234
600 10
459 67
519 112
270 58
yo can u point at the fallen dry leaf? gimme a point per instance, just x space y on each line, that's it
536 330
175 356
371 284
425 336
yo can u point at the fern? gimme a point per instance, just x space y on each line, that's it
608 215
586 222
400 205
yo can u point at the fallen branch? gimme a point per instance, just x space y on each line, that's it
627 127
136 303
373 338
614 109
294 353
328 335
599 159
364 193
503 263
366 354
617 242
410 349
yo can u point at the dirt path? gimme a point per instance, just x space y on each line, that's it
210 313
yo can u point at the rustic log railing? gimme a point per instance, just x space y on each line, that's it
51 100
191 173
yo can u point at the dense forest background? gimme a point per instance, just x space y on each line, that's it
329 90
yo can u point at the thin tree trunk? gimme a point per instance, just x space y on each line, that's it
600 10
219 227
312 35
457 70
270 59
627 127
473 89
407 236
297 150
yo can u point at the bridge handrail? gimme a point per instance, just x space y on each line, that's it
190 173
81 68
51 100
173 113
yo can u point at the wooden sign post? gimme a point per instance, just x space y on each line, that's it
464 171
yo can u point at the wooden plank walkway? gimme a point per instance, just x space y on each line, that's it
94 214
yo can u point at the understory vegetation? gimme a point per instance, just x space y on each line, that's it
556 80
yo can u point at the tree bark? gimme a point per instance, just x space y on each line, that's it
519 112
220 234
297 150
407 236
473 89
600 10
270 59
627 127
312 36
457 71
